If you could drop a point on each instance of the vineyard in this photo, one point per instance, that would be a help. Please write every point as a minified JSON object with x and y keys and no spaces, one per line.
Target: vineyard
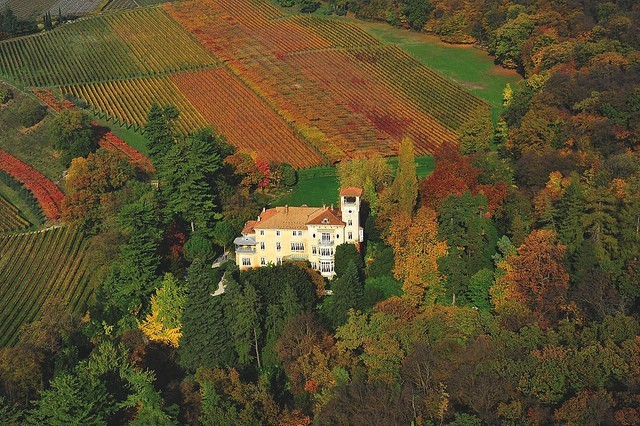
{"x":346,"y":94}
{"x":116,"y":46}
{"x":10,"y":218}
{"x":38,"y":267}
{"x":225,"y":102}
{"x":74,"y":7}
{"x":128,"y":101}
{"x":27,"y":9}
{"x":46,"y":192}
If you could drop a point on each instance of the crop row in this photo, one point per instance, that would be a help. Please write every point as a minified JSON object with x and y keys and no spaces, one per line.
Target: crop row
{"x":52,"y":101}
{"x":235,"y":111}
{"x":128,"y":101}
{"x":38,"y":267}
{"x":111,"y":142}
{"x":335,"y":84}
{"x":46,"y":192}
{"x":115,"y":46}
{"x":10,"y":218}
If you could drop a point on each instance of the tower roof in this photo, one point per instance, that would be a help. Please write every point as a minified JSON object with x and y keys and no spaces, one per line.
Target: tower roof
{"x":351,"y":191}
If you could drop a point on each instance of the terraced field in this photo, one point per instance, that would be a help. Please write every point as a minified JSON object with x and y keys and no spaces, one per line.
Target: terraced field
{"x":37,"y":267}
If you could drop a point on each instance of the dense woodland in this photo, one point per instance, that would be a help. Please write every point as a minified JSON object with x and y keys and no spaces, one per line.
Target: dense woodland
{"x":504,"y":288}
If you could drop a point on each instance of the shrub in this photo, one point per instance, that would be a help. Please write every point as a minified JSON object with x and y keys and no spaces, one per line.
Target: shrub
{"x":30,"y":112}
{"x":5,"y":95}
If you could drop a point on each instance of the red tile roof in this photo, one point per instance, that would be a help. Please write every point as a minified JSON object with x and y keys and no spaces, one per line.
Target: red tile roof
{"x":351,"y":191}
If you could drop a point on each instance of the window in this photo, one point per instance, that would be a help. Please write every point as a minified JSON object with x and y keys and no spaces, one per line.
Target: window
{"x":314,"y":265}
{"x":349,"y":222}
{"x":278,"y":246}
{"x":326,"y":266}
{"x":297,"y":246}
{"x":261,"y":245}
{"x":326,"y":238}
{"x":350,"y":211}
{"x":297,"y":233}
{"x":262,"y":232}
{"x":314,"y":250}
{"x":277,"y":233}
{"x":263,"y":261}
{"x":326,"y":251}
{"x":350,"y":236}
{"x":337,"y":236}
{"x":278,"y":261}
{"x":246,"y":261}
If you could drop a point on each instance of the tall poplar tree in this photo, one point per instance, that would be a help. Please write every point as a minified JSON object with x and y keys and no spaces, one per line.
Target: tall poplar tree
{"x":405,"y":184}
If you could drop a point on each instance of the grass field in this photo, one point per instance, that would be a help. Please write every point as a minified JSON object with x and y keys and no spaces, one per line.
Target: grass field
{"x":37,"y":267}
{"x":320,"y":185}
{"x":32,"y":145}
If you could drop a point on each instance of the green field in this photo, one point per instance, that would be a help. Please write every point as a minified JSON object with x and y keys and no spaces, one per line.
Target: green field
{"x":32,"y":145}
{"x":320,"y":185}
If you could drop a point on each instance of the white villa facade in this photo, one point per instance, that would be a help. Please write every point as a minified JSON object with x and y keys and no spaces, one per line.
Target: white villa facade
{"x":301,"y":233}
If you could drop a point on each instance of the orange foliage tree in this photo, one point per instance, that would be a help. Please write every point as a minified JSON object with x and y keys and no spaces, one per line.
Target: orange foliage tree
{"x":538,"y":277}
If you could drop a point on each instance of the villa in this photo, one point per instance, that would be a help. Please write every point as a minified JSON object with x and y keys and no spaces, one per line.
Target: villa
{"x":301,"y":233}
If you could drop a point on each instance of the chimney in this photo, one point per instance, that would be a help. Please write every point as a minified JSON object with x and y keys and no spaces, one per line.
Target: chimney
{"x":264,"y":209}
{"x":286,"y":208}
{"x":331,"y":206}
{"x":324,"y":206}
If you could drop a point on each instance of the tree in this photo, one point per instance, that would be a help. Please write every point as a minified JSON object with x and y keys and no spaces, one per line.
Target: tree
{"x":72,"y":133}
{"x":164,"y":323}
{"x":347,"y":293}
{"x":405,"y":184}
{"x":476,"y":133}
{"x":205,"y":341}
{"x":345,"y":254}
{"x":246,"y":325}
{"x":160,"y":129}
{"x":133,"y":278}
{"x":30,"y":112}
{"x":479,"y":285}
{"x":417,"y":13}
{"x":199,"y":247}
{"x":89,"y":181}
{"x":471,"y":237}
{"x":67,"y":402}
{"x":187,"y":173}
{"x":538,"y":276}
{"x":308,"y":354}
{"x":285,"y":175}
{"x":417,"y":248}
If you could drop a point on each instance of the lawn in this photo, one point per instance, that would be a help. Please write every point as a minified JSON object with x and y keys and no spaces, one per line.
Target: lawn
{"x":320,"y":185}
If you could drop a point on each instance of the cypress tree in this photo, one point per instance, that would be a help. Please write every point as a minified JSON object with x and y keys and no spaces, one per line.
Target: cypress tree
{"x":348,"y":292}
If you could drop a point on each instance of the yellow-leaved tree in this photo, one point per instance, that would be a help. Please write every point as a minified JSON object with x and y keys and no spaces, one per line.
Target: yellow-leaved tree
{"x":416,"y":247}
{"x":163,"y":324}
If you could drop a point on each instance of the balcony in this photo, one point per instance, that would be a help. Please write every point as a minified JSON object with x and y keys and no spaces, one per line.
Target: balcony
{"x":245,"y":250}
{"x":326,"y":243}
{"x":296,"y":256}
